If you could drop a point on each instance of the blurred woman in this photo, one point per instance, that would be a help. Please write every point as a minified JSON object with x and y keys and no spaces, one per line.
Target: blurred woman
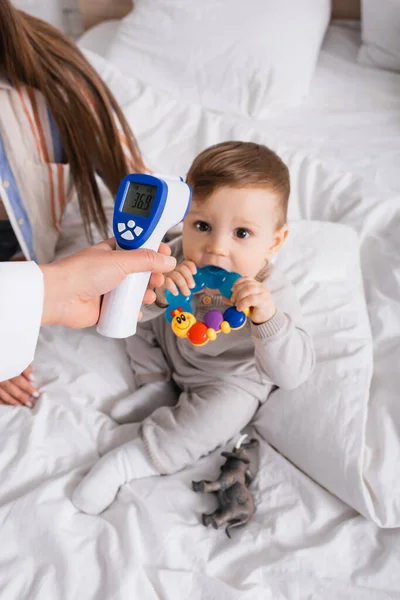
{"x":60,"y":129}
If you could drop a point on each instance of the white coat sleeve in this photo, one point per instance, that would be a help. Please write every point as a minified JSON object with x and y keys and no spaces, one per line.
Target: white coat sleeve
{"x":21,"y":308}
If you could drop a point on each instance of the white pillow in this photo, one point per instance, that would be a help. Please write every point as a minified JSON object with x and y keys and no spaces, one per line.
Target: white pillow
{"x":320,"y":426}
{"x":380,"y":22}
{"x":98,"y":38}
{"x":249,"y":57}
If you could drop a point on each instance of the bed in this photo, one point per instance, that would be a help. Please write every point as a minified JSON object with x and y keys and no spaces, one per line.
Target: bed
{"x":327,"y":491}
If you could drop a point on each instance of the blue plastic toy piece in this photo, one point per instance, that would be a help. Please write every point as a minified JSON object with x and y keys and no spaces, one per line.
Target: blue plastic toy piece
{"x":235,"y":318}
{"x":210,"y":277}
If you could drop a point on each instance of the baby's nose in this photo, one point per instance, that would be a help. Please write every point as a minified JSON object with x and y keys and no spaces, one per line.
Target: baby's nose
{"x":217,"y":245}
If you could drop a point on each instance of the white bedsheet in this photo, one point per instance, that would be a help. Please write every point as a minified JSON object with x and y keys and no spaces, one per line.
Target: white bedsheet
{"x":303,"y":541}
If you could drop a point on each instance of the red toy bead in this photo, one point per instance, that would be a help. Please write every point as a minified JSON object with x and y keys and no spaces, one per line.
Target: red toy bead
{"x":197,"y":334}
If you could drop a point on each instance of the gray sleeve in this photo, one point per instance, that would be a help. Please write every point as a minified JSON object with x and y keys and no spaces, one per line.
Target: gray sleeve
{"x":284,"y":351}
{"x":147,"y":358}
{"x":151,"y":311}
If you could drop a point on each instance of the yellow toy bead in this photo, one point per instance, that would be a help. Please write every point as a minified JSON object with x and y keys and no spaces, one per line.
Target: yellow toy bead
{"x":211,"y":334}
{"x":225,"y":327}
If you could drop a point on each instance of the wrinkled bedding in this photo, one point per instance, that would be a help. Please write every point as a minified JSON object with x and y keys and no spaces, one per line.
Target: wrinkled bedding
{"x":328,"y":451}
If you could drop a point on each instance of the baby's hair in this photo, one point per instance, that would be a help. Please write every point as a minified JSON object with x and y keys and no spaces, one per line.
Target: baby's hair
{"x":240,"y":165}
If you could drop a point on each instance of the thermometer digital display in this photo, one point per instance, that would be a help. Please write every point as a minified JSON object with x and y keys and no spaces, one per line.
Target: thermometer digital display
{"x":139,"y":199}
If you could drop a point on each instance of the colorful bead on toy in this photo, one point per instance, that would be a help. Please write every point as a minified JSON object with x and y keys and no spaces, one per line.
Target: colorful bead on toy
{"x":185,"y":325}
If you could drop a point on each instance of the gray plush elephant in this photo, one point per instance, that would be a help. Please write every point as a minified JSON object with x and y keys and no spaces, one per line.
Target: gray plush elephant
{"x":235,"y":502}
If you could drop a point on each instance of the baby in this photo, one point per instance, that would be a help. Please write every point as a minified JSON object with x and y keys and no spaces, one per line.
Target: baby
{"x":194,"y":398}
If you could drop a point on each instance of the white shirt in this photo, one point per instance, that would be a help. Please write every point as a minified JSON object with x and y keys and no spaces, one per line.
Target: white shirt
{"x":21,"y":307}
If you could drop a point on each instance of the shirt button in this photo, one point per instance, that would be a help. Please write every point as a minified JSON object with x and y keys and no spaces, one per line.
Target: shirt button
{"x":21,"y":221}
{"x":206,"y":300}
{"x":6,"y":184}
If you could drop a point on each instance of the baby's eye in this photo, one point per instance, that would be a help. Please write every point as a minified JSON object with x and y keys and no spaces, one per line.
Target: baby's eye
{"x":242,"y":233}
{"x":202,"y":226}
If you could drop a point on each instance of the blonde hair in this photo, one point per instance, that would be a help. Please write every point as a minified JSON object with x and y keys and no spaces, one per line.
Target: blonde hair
{"x":240,"y":164}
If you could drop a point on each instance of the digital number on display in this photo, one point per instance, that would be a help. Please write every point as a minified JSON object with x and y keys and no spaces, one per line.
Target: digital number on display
{"x":139,"y":199}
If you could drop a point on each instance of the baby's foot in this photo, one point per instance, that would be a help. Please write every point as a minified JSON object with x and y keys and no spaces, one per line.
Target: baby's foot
{"x":98,"y":489}
{"x":100,"y":486}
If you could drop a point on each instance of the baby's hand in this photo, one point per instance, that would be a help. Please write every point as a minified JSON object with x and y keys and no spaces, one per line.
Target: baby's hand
{"x":249,"y":293}
{"x":179,"y":280}
{"x":19,"y":391}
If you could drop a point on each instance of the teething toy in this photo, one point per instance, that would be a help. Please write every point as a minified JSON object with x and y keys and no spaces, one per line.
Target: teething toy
{"x":185,"y":325}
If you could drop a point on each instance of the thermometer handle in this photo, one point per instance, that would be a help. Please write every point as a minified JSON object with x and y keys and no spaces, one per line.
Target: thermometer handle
{"x":121,"y":307}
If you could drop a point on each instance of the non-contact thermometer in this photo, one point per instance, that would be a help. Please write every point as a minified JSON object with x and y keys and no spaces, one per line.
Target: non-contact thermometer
{"x":145,"y":208}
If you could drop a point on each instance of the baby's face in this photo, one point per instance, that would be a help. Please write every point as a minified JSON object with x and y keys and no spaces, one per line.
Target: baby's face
{"x":234,"y":229}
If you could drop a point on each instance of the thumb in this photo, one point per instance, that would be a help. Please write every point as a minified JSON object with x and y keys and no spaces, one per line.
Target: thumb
{"x":142,"y":260}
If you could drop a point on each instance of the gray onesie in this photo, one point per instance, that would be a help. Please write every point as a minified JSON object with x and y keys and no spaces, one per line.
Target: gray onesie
{"x":211,"y":392}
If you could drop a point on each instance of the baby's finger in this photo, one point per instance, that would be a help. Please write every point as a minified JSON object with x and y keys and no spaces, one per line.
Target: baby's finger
{"x":191,"y":266}
{"x":246,"y":290}
{"x":15,"y":392}
{"x":23,"y":384}
{"x":181,"y":282}
{"x":184,"y":270}
{"x":248,"y":301}
{"x":156,"y":280}
{"x":246,"y":287}
{"x":241,"y":281}
{"x":149,"y":297}
{"x":170,"y":286}
{"x":6,"y":398}
{"x":164,"y":249}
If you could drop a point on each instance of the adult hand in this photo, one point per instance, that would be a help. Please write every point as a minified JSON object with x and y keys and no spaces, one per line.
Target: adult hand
{"x":73,"y":286}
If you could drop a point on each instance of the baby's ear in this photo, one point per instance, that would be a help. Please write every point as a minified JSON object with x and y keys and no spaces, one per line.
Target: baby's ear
{"x":280,"y":236}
